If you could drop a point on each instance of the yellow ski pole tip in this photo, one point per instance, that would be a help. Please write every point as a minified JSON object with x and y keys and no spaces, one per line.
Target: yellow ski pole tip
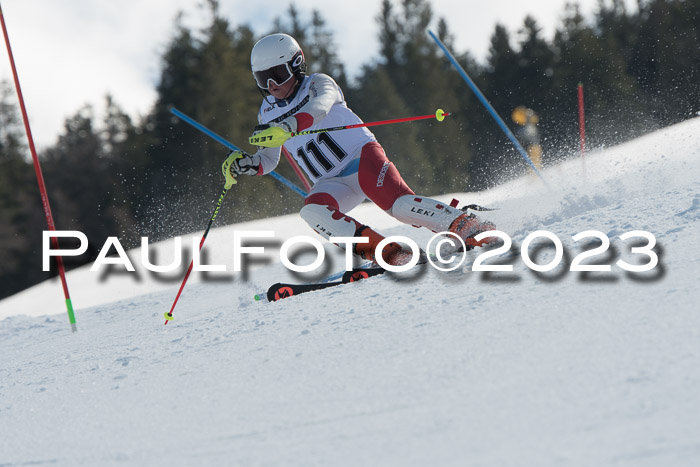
{"x":168,"y":316}
{"x":440,"y":115}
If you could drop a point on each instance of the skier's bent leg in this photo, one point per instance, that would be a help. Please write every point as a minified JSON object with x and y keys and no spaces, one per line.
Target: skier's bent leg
{"x":379,"y":178}
{"x":381,"y":181}
{"x":424,"y":212}
{"x":321,"y":212}
{"x":439,"y":217}
{"x":328,"y":221}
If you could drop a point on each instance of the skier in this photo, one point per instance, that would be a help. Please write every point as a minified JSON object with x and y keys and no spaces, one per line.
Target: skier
{"x":345,"y":167}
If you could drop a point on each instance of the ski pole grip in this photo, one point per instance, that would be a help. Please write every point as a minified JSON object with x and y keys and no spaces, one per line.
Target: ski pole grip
{"x":272,"y":137}
{"x":226,"y":168}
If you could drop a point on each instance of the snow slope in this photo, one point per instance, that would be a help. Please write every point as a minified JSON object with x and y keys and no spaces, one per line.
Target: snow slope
{"x":558,"y":368}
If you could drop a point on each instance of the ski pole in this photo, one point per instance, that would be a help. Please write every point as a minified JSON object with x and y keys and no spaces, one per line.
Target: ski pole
{"x":232,"y":147}
{"x":275,"y":136}
{"x":230,"y":181}
{"x":488,"y":106}
{"x":581,"y":121}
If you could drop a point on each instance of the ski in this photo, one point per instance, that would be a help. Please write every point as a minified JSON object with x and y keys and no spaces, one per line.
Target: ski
{"x":279,"y":290}
{"x":282,"y":290}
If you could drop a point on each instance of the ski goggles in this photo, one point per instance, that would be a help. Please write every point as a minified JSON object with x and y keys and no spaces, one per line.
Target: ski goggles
{"x":279,"y":74}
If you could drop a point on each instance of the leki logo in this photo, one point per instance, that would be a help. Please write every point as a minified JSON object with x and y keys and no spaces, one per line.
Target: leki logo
{"x":260,"y":139}
{"x":424,"y":212}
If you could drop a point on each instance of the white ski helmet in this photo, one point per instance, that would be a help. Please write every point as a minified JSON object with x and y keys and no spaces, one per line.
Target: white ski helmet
{"x":277,"y":57}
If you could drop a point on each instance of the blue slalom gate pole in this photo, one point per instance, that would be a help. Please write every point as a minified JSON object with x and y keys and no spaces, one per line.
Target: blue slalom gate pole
{"x":488,"y":106}
{"x":232,"y":147}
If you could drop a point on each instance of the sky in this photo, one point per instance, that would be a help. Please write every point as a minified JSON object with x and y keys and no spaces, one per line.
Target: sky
{"x":71,"y":53}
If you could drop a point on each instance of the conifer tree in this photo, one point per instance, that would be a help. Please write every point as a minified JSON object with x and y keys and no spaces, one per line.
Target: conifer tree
{"x":20,"y":203}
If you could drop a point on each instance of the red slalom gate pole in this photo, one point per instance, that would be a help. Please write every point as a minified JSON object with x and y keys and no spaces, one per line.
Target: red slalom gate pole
{"x":39,"y":176}
{"x":581,"y":120}
{"x":297,"y":170}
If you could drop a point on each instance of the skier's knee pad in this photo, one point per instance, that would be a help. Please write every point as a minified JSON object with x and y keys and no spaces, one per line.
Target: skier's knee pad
{"x":424,"y":212}
{"x":328,"y":221}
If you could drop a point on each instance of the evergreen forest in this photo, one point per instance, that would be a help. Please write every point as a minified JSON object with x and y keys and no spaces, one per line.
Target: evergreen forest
{"x":157,"y":177}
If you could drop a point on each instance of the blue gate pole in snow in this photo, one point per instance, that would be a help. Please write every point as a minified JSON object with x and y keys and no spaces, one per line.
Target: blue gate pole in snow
{"x":488,"y":106}
{"x":232,"y":147}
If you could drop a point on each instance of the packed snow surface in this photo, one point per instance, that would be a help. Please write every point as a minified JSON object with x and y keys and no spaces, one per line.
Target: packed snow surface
{"x":466,"y":368}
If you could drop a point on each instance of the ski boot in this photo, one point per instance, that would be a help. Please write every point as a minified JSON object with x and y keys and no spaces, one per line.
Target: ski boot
{"x":393,"y":253}
{"x":467,"y":226}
